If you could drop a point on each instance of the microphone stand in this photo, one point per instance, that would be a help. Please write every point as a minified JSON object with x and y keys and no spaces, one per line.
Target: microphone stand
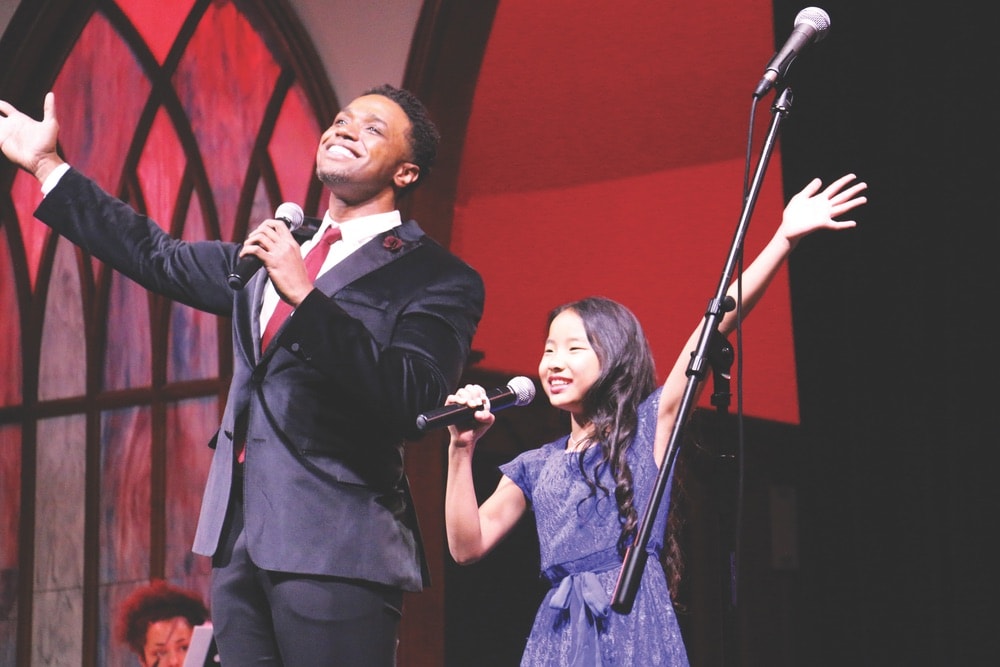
{"x":635,"y":557}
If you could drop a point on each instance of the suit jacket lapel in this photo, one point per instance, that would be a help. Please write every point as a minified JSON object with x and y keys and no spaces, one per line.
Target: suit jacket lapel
{"x":370,"y":257}
{"x":246,"y":318}
{"x":256,"y":289}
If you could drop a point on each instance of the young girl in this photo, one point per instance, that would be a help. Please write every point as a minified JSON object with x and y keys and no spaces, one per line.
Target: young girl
{"x":588,"y":489}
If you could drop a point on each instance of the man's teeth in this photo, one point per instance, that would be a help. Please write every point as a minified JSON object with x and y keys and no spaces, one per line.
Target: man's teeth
{"x":341,"y":151}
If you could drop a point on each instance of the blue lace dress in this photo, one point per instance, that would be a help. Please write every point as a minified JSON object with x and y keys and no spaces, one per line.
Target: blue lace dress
{"x":574,"y":625}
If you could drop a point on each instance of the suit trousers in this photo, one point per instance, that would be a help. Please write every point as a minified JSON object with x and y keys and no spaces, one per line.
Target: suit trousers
{"x":280,"y":619}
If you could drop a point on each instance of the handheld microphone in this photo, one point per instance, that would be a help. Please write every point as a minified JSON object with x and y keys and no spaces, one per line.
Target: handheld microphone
{"x":811,"y":25}
{"x":247,"y":265}
{"x":519,"y":391}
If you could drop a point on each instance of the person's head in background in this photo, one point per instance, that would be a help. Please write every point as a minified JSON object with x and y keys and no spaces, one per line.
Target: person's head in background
{"x":157,"y":621}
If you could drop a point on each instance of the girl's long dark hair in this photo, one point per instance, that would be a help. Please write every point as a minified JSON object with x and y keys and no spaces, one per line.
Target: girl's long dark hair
{"x":611,"y":405}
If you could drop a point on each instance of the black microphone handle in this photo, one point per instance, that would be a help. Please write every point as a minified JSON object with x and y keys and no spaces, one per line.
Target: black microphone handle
{"x":246,"y":267}
{"x":448,"y":415}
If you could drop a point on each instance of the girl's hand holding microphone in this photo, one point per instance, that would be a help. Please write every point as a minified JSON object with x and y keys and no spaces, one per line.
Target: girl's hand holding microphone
{"x":466,"y":433}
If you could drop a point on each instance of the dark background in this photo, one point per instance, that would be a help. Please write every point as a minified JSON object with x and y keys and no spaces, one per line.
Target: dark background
{"x":898,"y":493}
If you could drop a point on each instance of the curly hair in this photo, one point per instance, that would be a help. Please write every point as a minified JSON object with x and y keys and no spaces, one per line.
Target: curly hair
{"x":159,"y":601}
{"x":424,"y":136}
{"x":627,"y":377}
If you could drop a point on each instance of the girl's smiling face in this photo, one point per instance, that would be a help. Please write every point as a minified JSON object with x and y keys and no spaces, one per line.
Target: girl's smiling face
{"x":569,"y":366}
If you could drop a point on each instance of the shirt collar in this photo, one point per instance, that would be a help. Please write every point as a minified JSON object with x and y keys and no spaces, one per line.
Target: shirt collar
{"x":359,"y":230}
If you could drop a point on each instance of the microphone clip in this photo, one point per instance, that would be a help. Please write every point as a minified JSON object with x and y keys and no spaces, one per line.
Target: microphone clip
{"x":720,"y":357}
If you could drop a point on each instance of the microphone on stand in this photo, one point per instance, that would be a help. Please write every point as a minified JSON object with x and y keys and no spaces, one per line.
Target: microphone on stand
{"x":811,"y":25}
{"x":289,"y":213}
{"x":519,"y":391}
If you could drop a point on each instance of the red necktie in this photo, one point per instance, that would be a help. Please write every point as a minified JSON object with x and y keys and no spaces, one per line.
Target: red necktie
{"x":314,"y":260}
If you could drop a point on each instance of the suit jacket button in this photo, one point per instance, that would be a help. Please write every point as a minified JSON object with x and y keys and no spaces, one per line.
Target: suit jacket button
{"x":295,"y":347}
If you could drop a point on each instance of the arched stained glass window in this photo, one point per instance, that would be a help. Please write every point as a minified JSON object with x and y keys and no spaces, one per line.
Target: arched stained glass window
{"x":205,"y":115}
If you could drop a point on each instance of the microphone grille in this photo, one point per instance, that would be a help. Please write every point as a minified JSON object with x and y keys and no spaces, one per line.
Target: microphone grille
{"x":816,"y":18}
{"x":523,"y":388}
{"x":291,"y":213}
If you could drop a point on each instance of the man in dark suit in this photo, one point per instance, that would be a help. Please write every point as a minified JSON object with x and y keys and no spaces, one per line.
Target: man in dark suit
{"x":306,"y":514}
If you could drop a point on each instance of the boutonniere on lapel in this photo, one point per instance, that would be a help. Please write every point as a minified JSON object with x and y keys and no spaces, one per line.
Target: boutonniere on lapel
{"x":392,"y":243}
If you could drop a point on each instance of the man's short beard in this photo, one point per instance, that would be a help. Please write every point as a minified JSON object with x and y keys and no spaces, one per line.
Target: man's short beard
{"x":330,"y":178}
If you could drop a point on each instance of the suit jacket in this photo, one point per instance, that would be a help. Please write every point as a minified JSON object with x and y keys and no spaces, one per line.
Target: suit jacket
{"x":383,"y":337}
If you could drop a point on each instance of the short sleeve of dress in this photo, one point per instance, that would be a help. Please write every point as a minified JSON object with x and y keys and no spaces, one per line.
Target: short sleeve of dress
{"x":525,"y":468}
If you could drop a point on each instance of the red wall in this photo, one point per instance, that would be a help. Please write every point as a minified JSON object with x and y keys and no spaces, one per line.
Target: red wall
{"x":605,"y":159}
